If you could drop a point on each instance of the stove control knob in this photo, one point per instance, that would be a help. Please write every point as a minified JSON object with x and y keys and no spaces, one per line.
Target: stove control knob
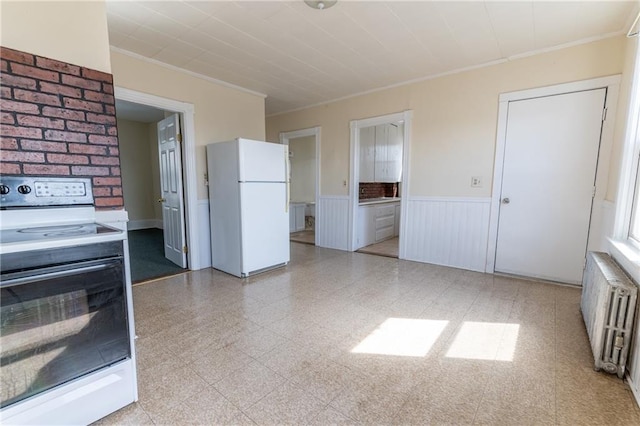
{"x":4,"y":189}
{"x":24,"y":189}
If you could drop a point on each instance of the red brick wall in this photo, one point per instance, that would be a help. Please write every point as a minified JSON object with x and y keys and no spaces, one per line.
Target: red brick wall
{"x":59,"y":119}
{"x":370,"y":190}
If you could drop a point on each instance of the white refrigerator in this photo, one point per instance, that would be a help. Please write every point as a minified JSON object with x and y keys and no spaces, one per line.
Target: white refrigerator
{"x":248,"y":205}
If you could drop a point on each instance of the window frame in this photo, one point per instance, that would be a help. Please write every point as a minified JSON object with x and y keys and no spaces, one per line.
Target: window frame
{"x":634,"y":221}
{"x":623,"y":247}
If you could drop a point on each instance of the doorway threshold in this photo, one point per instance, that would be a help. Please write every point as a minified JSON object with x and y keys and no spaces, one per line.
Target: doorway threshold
{"x":387,"y":248}
{"x":307,"y":236}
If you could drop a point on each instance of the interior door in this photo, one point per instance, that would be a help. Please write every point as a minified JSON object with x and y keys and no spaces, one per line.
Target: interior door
{"x":550,"y":160}
{"x":171,"y":187}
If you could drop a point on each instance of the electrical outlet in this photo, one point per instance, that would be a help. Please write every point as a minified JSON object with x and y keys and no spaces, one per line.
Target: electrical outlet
{"x":476,"y":181}
{"x":344,"y":183}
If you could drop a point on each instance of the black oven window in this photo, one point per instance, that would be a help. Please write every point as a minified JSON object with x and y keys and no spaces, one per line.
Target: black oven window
{"x":57,"y":327}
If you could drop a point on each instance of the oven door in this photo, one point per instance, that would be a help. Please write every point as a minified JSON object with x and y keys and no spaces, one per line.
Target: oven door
{"x":60,"y":322}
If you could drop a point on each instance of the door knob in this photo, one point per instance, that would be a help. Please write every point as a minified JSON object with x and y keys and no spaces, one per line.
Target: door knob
{"x":506,"y":200}
{"x":162,"y":200}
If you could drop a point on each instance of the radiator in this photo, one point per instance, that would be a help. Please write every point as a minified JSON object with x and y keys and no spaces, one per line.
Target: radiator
{"x":608,"y":306}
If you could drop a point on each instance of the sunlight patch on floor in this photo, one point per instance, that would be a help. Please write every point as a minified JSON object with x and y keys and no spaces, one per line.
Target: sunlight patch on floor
{"x":402,"y":337}
{"x":485,"y":340}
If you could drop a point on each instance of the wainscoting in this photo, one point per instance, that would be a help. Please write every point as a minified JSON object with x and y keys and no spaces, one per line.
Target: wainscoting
{"x":444,"y":231}
{"x":447,"y":231}
{"x":332,"y":222}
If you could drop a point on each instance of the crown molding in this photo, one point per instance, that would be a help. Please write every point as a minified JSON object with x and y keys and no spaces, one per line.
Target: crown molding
{"x":184,"y":71}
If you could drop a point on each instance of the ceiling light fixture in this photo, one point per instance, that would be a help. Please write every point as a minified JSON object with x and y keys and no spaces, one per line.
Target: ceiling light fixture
{"x":320,"y":5}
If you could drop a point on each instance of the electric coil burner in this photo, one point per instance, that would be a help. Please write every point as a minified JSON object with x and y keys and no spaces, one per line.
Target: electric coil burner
{"x":66,"y":319}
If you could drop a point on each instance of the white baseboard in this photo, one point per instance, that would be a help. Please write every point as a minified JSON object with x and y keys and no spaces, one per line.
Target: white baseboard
{"x":135,"y":225}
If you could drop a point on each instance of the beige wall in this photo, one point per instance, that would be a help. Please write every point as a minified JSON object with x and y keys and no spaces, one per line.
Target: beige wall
{"x":140,"y":169}
{"x":303,"y":168}
{"x":69,"y":31}
{"x":221,"y":113}
{"x":136,"y":168}
{"x":454,"y":117}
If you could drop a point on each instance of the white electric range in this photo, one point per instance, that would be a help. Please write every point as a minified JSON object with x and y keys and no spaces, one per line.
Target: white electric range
{"x":66,"y":329}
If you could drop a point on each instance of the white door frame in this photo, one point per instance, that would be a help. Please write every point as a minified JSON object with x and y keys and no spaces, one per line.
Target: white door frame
{"x":188,"y":165}
{"x":612,"y":84}
{"x":315,"y":132}
{"x":356,"y":125}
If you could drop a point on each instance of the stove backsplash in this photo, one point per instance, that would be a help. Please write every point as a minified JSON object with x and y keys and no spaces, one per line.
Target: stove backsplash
{"x":370,"y":190}
{"x":59,"y":119}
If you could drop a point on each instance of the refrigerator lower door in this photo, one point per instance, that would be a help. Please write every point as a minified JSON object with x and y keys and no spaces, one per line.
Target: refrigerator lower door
{"x":265,"y":226}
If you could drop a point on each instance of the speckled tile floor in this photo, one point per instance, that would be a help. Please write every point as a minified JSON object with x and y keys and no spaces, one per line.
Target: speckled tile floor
{"x":349,"y":338}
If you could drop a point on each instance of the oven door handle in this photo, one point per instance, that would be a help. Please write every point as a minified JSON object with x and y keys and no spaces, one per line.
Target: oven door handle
{"x":57,"y":274}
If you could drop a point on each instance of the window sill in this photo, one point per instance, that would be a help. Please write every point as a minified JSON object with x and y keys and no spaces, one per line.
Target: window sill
{"x":628,"y":256}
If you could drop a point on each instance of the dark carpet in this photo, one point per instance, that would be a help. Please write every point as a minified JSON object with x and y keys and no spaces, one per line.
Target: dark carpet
{"x":146,"y":250}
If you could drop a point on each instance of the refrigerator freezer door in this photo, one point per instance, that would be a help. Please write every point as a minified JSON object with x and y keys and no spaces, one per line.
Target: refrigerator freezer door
{"x":261,"y":161}
{"x":265,"y":226}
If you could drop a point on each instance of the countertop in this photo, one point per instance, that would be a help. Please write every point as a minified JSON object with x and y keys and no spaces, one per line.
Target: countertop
{"x":379,"y":201}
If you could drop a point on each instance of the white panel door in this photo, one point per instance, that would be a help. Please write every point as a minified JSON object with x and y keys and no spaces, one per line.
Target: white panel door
{"x":171,"y":190}
{"x":265,"y":225}
{"x":550,"y":160}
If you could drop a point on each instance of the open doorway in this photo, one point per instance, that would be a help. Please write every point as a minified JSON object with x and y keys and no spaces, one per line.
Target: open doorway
{"x":142,"y":190}
{"x":379,"y":162}
{"x":304,"y":160}
{"x":379,"y":188}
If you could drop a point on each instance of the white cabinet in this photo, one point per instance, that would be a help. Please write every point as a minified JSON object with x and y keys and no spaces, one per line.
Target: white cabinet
{"x":388,"y":153}
{"x":381,"y":153}
{"x":377,"y":222}
{"x":379,"y":173}
{"x":384,"y":215}
{"x":367,"y":154}
{"x":296,"y":217}
{"x":393,"y":169}
{"x":366,"y":226}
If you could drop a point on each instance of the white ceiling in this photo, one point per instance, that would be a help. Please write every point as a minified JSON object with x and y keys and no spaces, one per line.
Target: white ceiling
{"x":299,"y":56}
